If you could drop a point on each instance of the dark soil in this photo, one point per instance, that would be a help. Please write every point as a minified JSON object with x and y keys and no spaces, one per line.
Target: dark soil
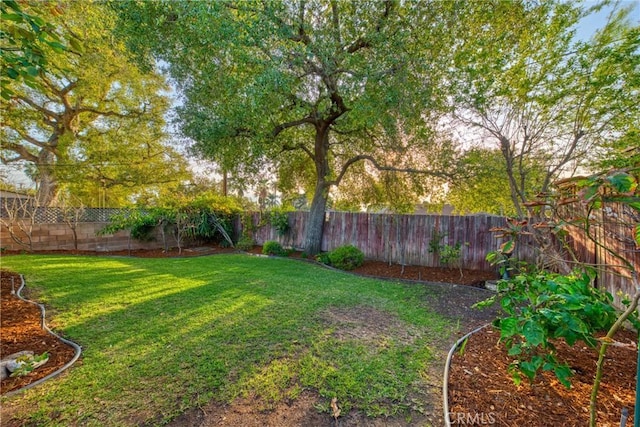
{"x":481,"y":388}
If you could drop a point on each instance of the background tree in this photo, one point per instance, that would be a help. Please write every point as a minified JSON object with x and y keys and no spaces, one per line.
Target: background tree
{"x":542,"y":97}
{"x":93,"y":119}
{"x":314,"y":77}
{"x":485,"y":186}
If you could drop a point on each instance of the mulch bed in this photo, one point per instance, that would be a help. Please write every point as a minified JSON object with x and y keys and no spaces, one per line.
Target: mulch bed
{"x":481,"y":389}
{"x":20,"y":329}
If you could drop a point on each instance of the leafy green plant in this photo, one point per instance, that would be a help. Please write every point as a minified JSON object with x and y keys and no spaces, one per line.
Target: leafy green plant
{"x":27,"y":363}
{"x":245,"y":243}
{"x":346,"y":257}
{"x":323,"y":257}
{"x":546,"y":306}
{"x":434,"y":242}
{"x":273,"y":248}
{"x":279,"y":219}
{"x":448,"y":255}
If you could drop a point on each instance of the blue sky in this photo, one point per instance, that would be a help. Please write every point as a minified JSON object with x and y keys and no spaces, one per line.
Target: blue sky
{"x":590,"y":24}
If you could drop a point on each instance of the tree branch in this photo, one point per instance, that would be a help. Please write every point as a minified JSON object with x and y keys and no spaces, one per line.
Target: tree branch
{"x":302,"y":147}
{"x":21,"y":151}
{"x":380,"y":167}
{"x":32,"y":104}
{"x":283,"y":126}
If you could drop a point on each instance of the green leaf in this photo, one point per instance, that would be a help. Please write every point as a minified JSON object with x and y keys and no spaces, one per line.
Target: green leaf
{"x":12,"y":73}
{"x":533,"y":332}
{"x":508,"y":247}
{"x":509,"y":327}
{"x":76,"y":45}
{"x":637,"y":235}
{"x":515,"y":350}
{"x":57,"y":47}
{"x":12,"y":17}
{"x":33,"y":71}
{"x":621,"y":182}
{"x":563,"y":373}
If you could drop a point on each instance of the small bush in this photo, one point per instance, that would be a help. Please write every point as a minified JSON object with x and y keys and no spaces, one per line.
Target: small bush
{"x":323,"y":258}
{"x":273,"y":248}
{"x":346,"y":257}
{"x":279,"y":219}
{"x":245,"y":243}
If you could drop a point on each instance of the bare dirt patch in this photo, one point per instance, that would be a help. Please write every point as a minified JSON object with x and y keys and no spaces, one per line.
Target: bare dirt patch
{"x":369,"y":324}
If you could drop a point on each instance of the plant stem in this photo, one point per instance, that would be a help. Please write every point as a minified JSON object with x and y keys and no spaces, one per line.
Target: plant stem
{"x":603,"y":350}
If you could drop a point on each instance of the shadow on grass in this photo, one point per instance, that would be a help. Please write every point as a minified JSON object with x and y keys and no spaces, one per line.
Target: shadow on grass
{"x":161,"y":336}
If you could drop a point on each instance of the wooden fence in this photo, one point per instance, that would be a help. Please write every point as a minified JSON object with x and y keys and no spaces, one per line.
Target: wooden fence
{"x":402,"y":239}
{"x":611,"y":227}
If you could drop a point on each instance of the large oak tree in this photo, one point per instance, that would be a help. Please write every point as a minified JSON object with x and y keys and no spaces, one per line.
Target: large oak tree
{"x":335,"y":83}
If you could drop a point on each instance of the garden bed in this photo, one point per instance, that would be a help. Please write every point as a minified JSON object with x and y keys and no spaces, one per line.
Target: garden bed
{"x":21,"y":329}
{"x":481,"y":389}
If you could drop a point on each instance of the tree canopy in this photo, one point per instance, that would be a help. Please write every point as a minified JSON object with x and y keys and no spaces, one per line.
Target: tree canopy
{"x":332,"y":92}
{"x":542,"y":97}
{"x":93,"y":122}
{"x":332,"y":82}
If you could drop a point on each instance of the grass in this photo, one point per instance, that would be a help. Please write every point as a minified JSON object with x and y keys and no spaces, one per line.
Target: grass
{"x":160,"y":336}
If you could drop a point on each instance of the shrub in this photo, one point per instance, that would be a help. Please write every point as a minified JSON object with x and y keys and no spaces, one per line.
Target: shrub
{"x":245,"y":243}
{"x":273,"y":248}
{"x":346,"y":257}
{"x":540,"y":307}
{"x":323,"y":257}
{"x":279,"y":219}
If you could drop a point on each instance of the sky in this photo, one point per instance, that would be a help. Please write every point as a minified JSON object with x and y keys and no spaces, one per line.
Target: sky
{"x":590,"y":24}
{"x":585,"y":30}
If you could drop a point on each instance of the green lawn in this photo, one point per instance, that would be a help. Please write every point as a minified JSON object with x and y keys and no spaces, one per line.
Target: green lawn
{"x":160,"y":336}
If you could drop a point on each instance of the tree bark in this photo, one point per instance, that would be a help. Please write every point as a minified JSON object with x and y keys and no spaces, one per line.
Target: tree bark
{"x":48,"y":184}
{"x":315,"y":224}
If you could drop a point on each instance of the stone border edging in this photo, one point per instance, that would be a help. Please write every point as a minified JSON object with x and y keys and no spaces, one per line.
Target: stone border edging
{"x":76,"y":347}
{"x":445,"y":380}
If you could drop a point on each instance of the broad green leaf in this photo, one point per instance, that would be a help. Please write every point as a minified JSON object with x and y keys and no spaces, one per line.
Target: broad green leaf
{"x":533,"y":333}
{"x":12,"y":73}
{"x":508,"y":247}
{"x":621,"y":182}
{"x":12,"y":17}
{"x":563,"y":373}
{"x":509,"y":327}
{"x":515,"y":350}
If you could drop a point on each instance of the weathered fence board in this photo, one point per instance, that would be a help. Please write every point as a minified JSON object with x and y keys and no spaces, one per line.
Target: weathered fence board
{"x":402,"y":239}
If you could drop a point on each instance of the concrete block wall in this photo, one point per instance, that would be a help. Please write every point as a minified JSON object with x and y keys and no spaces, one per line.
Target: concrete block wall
{"x":60,"y":237}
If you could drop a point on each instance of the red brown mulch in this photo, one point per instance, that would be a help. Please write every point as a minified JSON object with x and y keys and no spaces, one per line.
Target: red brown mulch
{"x":20,"y":329}
{"x":480,"y":388}
{"x":474,"y":278}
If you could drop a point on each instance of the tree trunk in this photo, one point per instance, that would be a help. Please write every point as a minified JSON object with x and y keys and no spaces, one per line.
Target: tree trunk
{"x":48,"y":185}
{"x":315,"y":224}
{"x":224,"y":182}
